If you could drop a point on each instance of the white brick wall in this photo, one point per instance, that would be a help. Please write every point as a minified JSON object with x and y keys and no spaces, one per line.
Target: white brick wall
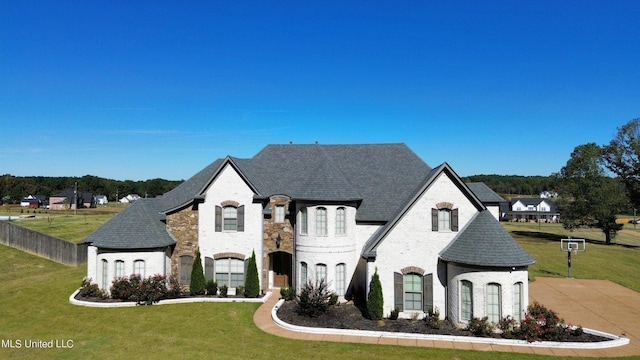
{"x":156,"y":262}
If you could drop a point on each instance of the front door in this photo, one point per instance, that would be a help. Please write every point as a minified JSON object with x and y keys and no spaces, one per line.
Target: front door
{"x":281,"y":268}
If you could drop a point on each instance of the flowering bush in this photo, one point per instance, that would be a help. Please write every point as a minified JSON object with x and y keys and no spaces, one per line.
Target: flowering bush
{"x":89,"y":289}
{"x":143,"y":291}
{"x":480,"y":327}
{"x":542,"y":324}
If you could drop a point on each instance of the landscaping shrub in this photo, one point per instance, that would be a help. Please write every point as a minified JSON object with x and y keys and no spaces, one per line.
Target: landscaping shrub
{"x":433,"y":318}
{"x":175,"y":290}
{"x":394,"y":314}
{"x":197,"y":283}
{"x":223,"y":290}
{"x":89,"y":289}
{"x":508,"y":326}
{"x":313,"y":300}
{"x":123,"y":288}
{"x":211,"y":287}
{"x":333,"y":300}
{"x":151,"y":290}
{"x":374,"y":299}
{"x":251,"y":282}
{"x":542,"y":324}
{"x":288,"y":293}
{"x":479,"y":327}
{"x":240,"y":291}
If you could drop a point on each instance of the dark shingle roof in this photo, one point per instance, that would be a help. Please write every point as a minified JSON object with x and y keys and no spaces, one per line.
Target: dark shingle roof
{"x":380,"y":176}
{"x":136,"y":227}
{"x":484,"y":242}
{"x":484,"y":193}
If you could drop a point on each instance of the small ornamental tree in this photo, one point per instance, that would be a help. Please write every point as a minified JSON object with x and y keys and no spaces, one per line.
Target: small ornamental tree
{"x":251,"y":282}
{"x":197,"y":283}
{"x":374,"y":299}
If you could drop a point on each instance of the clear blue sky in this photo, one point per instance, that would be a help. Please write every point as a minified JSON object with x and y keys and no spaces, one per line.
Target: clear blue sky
{"x":139,"y":90}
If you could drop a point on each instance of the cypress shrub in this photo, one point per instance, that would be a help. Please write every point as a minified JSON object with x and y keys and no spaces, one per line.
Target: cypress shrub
{"x":374,"y":299}
{"x":197,"y":283}
{"x":251,"y":282}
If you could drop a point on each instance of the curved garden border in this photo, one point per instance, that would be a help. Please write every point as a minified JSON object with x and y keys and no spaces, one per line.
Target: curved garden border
{"x":614,"y":342}
{"x":74,"y":301}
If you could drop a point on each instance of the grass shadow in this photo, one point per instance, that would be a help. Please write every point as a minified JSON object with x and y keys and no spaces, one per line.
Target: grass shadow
{"x":556,"y":238}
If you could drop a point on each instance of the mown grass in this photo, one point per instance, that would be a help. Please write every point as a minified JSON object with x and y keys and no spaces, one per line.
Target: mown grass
{"x":34,"y":305}
{"x":65,"y":224}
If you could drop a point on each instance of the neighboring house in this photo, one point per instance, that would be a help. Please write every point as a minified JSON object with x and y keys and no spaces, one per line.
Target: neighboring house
{"x":548,"y":194}
{"x":71,"y":199}
{"x":130,"y":198}
{"x":34,"y":201}
{"x":488,"y":197}
{"x":101,"y":200}
{"x":533,"y":209}
{"x":332,"y":212}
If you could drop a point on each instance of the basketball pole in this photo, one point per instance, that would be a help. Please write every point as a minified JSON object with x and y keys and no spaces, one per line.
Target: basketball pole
{"x":569,"y":264}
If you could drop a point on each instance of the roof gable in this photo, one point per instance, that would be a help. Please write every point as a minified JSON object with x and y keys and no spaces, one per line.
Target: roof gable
{"x":373,"y":242}
{"x":484,"y":193}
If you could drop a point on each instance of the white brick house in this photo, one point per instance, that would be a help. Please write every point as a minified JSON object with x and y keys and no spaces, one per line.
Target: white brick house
{"x":338,"y":212}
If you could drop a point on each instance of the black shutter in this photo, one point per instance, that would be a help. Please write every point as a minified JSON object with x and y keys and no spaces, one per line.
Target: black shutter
{"x":241,"y":218}
{"x":427,"y":293}
{"x":434,"y":219}
{"x":398,"y":291}
{"x":218,"y":219}
{"x":454,"y":220}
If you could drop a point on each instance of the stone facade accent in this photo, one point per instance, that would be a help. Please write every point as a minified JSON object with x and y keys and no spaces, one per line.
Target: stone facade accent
{"x":271,"y":231}
{"x":183,"y":225}
{"x":229,"y":255}
{"x":412,"y":270}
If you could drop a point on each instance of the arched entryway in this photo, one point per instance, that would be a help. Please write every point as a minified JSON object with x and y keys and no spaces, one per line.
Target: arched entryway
{"x":280,"y":274}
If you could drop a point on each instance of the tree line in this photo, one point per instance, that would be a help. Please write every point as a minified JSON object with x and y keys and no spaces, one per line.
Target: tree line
{"x":514,"y":184}
{"x":14,"y":188}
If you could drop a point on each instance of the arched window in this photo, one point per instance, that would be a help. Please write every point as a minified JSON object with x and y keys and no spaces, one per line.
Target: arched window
{"x":230,"y":272}
{"x":208,"y":268}
{"x":321,"y":272}
{"x":341,"y":220}
{"x":230,"y":218}
{"x":105,"y":275}
{"x":119,"y":270}
{"x":184,"y":270}
{"x":279,"y":213}
{"x":340,"y":279}
{"x":494,"y":303}
{"x":466,"y":300}
{"x":321,"y":221}
{"x":517,"y":301}
{"x":138,"y":268}
{"x":413,"y":292}
{"x":444,"y":219}
{"x":304,"y":222}
{"x":304,"y":277}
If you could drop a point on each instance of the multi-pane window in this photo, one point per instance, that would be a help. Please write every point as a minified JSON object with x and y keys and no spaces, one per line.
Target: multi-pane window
{"x":230,"y":272}
{"x":105,"y":275}
{"x":279,"y":213}
{"x":119,"y":270}
{"x":466,"y":300}
{"x":340,"y":279}
{"x":517,"y":301}
{"x":341,"y":221}
{"x":138,"y":267}
{"x":303,"y":274}
{"x":321,"y":272}
{"x":230,"y":218}
{"x":444,"y":219}
{"x":412,"y":292}
{"x":493,"y":303}
{"x":304,"y":222}
{"x":208,"y":268}
{"x":321,"y":221}
{"x":184,"y":270}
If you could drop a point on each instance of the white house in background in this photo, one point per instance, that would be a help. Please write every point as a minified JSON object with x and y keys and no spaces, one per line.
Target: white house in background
{"x":101,"y":200}
{"x":130,"y":198}
{"x":533,"y":209}
{"x":333,"y":212}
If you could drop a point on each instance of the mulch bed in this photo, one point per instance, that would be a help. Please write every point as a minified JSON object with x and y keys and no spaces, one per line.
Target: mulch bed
{"x":348,"y":316}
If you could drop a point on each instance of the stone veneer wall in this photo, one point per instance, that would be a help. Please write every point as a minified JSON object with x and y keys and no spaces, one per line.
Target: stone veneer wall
{"x":183,"y":225}
{"x":271,"y":231}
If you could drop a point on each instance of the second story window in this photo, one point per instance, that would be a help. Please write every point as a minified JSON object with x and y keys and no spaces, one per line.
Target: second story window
{"x":341,"y":221}
{"x":229,"y":218}
{"x":279,"y":213}
{"x":304,"y":221}
{"x":321,"y":221}
{"x":444,"y":219}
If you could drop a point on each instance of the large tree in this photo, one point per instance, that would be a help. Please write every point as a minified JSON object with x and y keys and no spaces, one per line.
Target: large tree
{"x":622,"y":157}
{"x":587,"y":196}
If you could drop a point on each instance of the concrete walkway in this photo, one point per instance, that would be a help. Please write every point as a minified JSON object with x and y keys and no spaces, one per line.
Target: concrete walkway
{"x":595,"y":304}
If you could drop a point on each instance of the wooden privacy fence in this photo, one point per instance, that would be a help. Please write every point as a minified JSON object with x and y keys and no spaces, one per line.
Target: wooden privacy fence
{"x":43,"y":245}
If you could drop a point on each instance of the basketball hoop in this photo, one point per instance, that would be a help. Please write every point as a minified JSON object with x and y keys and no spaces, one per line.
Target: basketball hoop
{"x":572,"y":247}
{"x":574,"y":250}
